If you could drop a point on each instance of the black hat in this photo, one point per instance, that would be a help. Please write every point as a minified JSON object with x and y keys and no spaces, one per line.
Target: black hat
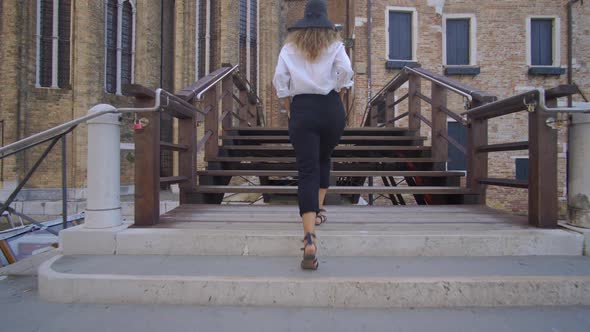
{"x":316,"y":16}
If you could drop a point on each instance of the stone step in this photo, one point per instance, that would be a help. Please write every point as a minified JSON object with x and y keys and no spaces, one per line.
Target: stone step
{"x":341,"y":282}
{"x":261,"y":230}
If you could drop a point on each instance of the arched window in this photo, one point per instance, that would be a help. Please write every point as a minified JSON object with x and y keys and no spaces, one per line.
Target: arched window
{"x":53,"y":43}
{"x":119,"y":44}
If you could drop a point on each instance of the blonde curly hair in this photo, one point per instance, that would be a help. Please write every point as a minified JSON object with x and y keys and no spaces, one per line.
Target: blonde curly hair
{"x":313,"y":41}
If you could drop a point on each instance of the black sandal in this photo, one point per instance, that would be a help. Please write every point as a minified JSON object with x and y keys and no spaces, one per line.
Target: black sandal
{"x":323,"y":218}
{"x":309,"y":262}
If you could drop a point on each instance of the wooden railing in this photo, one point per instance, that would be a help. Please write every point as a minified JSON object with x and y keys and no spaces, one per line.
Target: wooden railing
{"x":542,"y":143}
{"x":386,"y":101}
{"x":215,"y":101}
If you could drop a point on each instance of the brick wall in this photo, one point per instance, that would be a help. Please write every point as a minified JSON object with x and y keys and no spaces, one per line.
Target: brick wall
{"x":501,"y":56}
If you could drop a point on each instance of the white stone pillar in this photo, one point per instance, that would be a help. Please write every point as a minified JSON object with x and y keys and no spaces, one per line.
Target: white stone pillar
{"x":103,"y":207}
{"x":579,"y":171}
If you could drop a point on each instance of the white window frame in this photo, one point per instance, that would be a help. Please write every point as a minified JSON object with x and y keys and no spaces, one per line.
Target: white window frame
{"x":472,"y":38}
{"x":556,"y":39}
{"x":415,"y":34}
{"x":119,"y":59}
{"x":55,"y":47}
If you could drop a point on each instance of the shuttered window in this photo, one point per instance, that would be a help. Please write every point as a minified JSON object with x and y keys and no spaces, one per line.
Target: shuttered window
{"x":458,"y":132}
{"x":542,"y":42}
{"x":126,"y":44}
{"x":46,"y":44}
{"x":458,"y":41}
{"x":53,"y":43}
{"x":522,"y":168}
{"x":243,"y":34}
{"x":400,"y":35}
{"x":119,"y":30}
{"x":201,"y":38}
{"x":64,"y":27}
{"x":111,"y":45}
{"x":253,"y":42}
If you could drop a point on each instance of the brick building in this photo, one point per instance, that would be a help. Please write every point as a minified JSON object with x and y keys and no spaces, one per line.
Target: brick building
{"x":52,"y":74}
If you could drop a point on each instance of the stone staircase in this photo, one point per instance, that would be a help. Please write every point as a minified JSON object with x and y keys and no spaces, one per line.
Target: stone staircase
{"x":370,"y":257}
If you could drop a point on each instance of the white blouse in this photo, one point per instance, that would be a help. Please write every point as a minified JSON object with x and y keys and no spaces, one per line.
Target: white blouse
{"x":295,"y":75}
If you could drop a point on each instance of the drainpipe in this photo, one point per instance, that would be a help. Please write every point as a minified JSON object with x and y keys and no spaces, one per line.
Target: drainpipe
{"x":578,"y":156}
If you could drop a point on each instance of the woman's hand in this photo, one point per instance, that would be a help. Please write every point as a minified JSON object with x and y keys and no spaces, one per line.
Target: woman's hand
{"x":287,"y":106}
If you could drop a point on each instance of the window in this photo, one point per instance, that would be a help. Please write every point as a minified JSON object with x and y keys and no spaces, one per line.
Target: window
{"x":522,"y":168}
{"x":457,"y":34}
{"x":248,"y":40}
{"x":401,"y":40}
{"x":543,"y":40}
{"x":119,"y":44}
{"x":53,"y":43}
{"x":457,"y":161}
{"x":203,"y":38}
{"x":460,"y":44}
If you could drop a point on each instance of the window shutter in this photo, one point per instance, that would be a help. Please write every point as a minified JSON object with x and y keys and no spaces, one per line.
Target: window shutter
{"x":542,"y":42}
{"x":111,"y":41}
{"x":202,"y":36}
{"x":126,"y":44}
{"x":522,"y":168}
{"x":458,"y":132}
{"x":253,"y":42}
{"x":64,"y":43}
{"x":46,"y":52}
{"x":243,"y":34}
{"x":458,"y":39}
{"x":400,"y":35}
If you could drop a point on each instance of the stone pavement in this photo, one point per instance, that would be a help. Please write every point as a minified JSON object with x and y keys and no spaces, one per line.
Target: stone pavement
{"x":22,"y":310}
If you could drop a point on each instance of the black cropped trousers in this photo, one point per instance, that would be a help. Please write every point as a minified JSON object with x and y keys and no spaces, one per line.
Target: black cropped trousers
{"x":315,"y":128}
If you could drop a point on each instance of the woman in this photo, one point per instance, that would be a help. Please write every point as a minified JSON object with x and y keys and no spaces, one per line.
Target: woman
{"x":312,"y":68}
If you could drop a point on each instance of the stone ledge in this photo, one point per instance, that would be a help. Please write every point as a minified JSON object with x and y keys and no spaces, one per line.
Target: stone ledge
{"x":389,"y":283}
{"x":584,"y":231}
{"x":83,"y":241}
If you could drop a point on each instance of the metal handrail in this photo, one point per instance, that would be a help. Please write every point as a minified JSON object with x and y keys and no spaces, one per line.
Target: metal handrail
{"x":432,"y":79}
{"x":212,"y":84}
{"x":535,"y":97}
{"x":545,"y":108}
{"x":60,"y":129}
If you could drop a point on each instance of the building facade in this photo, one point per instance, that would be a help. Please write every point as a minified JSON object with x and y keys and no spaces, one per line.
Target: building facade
{"x":58,"y":58}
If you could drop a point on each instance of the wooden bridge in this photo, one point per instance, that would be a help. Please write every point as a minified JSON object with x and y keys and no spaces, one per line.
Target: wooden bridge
{"x":417,"y":252}
{"x":236,"y":144}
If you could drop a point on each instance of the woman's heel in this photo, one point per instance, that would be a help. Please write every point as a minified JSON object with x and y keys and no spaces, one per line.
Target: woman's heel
{"x":310,"y":261}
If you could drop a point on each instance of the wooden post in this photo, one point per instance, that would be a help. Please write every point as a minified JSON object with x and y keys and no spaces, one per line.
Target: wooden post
{"x":243,"y":112}
{"x":147,"y":167}
{"x":187,"y":135}
{"x":414,"y":103}
{"x":389,"y":109}
{"x":227,"y":103}
{"x":374,"y":115}
{"x":212,"y":124}
{"x":7,"y":251}
{"x":440,"y":147}
{"x":477,"y":163}
{"x":542,"y":170}
{"x":253,"y":113}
